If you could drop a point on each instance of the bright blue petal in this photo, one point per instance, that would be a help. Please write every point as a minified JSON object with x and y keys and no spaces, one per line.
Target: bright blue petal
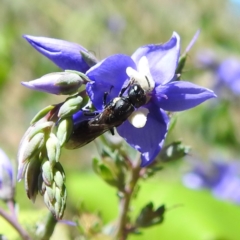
{"x":181,"y":95}
{"x":108,"y":76}
{"x":162,"y":58}
{"x":149,"y":139}
{"x":65,"y":55}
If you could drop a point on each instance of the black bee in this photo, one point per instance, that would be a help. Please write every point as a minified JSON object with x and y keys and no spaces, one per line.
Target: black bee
{"x":114,"y":114}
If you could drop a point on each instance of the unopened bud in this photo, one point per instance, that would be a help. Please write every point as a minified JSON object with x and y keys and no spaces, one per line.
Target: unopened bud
{"x":60,"y":83}
{"x":53,"y":149}
{"x":64,"y":130}
{"x":70,"y":106}
{"x":47,"y":173}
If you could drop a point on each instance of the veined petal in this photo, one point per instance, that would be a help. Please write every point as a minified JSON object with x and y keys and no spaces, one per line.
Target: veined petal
{"x":181,"y":95}
{"x":65,"y":55}
{"x":162,"y":58}
{"x":149,"y":139}
{"x":109,"y":76}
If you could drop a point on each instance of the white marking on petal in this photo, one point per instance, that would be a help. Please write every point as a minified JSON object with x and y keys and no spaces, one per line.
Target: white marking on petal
{"x":139,"y":117}
{"x":143,"y":76}
{"x":143,"y":68}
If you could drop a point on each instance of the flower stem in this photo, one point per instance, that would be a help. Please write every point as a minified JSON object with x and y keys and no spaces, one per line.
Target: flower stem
{"x":15,"y":224}
{"x":126,"y":195}
{"x":45,"y":230}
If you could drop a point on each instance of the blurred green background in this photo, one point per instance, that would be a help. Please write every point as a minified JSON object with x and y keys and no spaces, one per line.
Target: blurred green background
{"x":107,"y":27}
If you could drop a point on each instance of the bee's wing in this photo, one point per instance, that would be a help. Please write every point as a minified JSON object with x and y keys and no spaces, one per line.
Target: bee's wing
{"x":85,"y":133}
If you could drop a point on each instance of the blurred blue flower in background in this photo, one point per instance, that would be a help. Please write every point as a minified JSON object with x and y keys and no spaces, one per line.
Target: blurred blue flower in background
{"x":228,"y":74}
{"x":222,"y":178}
{"x":6,"y":177}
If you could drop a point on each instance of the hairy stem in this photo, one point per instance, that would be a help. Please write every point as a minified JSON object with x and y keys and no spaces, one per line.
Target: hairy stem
{"x":15,"y":224}
{"x":45,"y":230}
{"x":126,"y":195}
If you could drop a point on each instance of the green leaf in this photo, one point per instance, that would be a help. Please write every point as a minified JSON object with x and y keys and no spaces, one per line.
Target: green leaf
{"x":149,"y":217}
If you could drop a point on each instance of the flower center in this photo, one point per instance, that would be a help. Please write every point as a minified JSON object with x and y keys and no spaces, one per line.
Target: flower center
{"x":143,"y":76}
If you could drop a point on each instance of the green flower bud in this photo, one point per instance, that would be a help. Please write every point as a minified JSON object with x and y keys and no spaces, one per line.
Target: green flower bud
{"x":33,"y":170}
{"x":53,"y":149}
{"x":47,"y":173}
{"x":39,"y":127}
{"x":64,"y":130}
{"x":64,"y":83}
{"x":34,"y":146}
{"x":51,"y":192}
{"x":70,"y":106}
{"x":59,"y":179}
{"x":42,"y":113}
{"x":48,"y":203}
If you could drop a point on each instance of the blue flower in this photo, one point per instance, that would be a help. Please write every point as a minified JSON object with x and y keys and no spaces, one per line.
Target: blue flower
{"x":221,"y":178}
{"x":149,"y":124}
{"x":6,"y":177}
{"x":157,"y":64}
{"x":228,"y":74}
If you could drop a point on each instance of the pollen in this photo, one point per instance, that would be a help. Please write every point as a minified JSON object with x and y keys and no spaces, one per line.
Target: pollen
{"x":139,"y":117}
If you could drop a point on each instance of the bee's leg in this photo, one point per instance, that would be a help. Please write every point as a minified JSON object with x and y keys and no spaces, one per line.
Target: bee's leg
{"x":90,"y":114}
{"x":105,"y":96}
{"x":131,"y":81}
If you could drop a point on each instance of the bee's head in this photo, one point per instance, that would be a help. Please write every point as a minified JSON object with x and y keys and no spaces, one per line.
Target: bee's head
{"x":136,"y":95}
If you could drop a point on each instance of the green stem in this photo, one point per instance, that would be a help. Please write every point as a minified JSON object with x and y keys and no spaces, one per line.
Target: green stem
{"x":15,"y":224}
{"x":45,"y":230}
{"x":126,"y":195}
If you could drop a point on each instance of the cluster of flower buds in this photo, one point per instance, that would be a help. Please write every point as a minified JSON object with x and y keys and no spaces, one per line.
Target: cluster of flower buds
{"x":40,"y":147}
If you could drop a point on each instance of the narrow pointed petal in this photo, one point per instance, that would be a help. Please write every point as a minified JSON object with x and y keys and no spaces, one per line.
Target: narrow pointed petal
{"x":181,"y":95}
{"x":108,"y":76}
{"x":149,"y":139}
{"x":65,"y":55}
{"x":162,"y":58}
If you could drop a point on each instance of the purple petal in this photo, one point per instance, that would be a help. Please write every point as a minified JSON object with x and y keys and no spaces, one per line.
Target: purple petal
{"x":181,"y":95}
{"x":65,"y":55}
{"x":5,"y":165}
{"x":192,"y":42}
{"x":108,"y":76}
{"x":229,"y":74}
{"x":149,"y":139}
{"x":162,"y":58}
